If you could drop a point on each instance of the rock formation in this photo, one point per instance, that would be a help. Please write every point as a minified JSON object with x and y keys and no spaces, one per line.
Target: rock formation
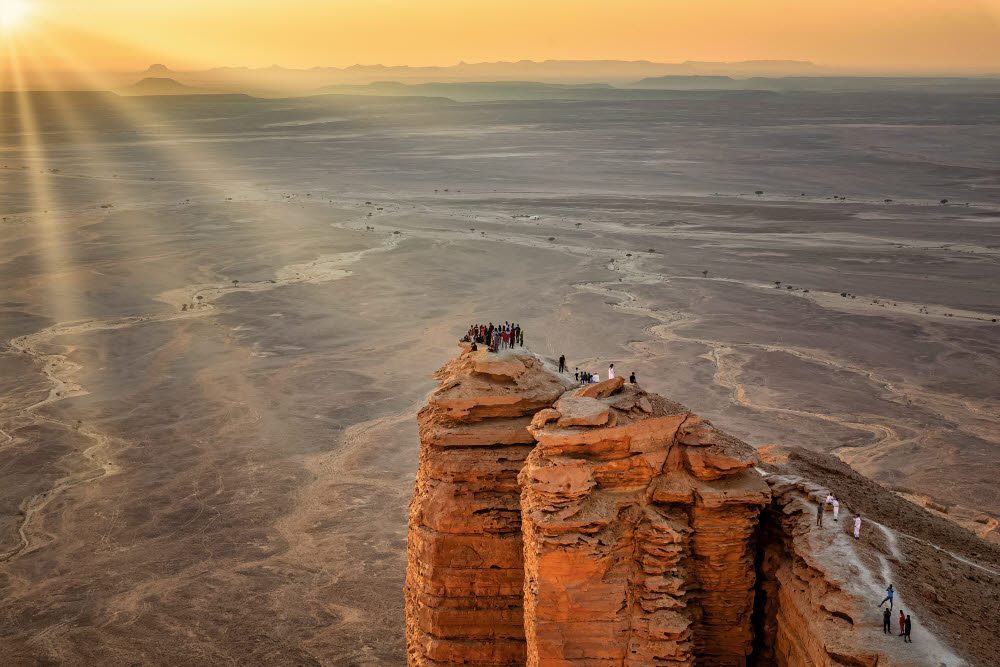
{"x":466,"y":575}
{"x":638,"y":522}
{"x":553,"y":524}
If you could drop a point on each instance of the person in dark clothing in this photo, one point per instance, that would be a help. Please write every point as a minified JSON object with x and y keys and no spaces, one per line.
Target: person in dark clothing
{"x":819,"y":514}
{"x":886,"y":623}
{"x":474,"y":347}
{"x":576,"y":374}
{"x":906,"y":630}
{"x":562,"y":363}
{"x":631,"y":378}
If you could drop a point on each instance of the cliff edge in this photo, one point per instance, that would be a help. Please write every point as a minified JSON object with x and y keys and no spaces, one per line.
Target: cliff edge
{"x":559,"y":524}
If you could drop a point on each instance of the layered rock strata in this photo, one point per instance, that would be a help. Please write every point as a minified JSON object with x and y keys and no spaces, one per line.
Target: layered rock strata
{"x":465,"y":580}
{"x":601,"y":525}
{"x":627,"y":538}
{"x":638,"y":521}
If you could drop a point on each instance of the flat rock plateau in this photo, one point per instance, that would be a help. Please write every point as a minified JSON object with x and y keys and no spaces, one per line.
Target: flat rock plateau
{"x":219,"y":316}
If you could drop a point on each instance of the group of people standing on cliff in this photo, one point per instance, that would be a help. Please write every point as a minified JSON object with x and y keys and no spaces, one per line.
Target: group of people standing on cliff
{"x":904,"y":620}
{"x":506,"y":335}
{"x":586,"y":377}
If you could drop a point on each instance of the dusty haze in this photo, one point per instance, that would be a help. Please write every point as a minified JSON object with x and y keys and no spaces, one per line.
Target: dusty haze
{"x":190,"y":480}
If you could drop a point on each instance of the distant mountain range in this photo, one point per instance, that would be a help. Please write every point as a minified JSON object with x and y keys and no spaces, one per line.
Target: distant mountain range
{"x":524,"y":79}
{"x":280,"y":80}
{"x":481,"y":91}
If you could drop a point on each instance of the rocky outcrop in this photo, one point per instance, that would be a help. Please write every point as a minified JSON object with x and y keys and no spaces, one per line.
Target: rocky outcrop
{"x":638,"y":527}
{"x":628,"y":533}
{"x":805,"y":615}
{"x":465,"y":577}
{"x":602,"y":525}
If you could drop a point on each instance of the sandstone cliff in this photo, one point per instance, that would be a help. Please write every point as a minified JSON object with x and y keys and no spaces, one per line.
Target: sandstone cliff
{"x":638,"y":526}
{"x":465,"y":581}
{"x":553,"y":524}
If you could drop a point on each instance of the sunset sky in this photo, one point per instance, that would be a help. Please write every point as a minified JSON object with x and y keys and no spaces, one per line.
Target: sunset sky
{"x":879,"y":35}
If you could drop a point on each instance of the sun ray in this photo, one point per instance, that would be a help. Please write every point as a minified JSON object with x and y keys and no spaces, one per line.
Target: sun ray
{"x":45,"y":208}
{"x":180,"y":149}
{"x":13,"y":14}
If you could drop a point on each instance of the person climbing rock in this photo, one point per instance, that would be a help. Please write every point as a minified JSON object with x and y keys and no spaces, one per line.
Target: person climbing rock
{"x":906,"y":630}
{"x":902,"y":623}
{"x":888,"y":597}
{"x":819,"y":514}
{"x":857,"y":526}
{"x":562,"y":363}
{"x":886,"y":623}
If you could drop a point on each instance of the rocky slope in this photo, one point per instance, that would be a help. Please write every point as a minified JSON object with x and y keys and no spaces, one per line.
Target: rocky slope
{"x":601,"y":525}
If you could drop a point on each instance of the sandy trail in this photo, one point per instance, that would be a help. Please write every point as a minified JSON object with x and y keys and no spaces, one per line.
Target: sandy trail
{"x":836,"y":547}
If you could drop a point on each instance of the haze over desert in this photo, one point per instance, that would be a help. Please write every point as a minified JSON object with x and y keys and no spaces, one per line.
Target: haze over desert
{"x":226,"y":294}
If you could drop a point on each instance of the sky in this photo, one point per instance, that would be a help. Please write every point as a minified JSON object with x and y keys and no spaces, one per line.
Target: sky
{"x":869,"y":35}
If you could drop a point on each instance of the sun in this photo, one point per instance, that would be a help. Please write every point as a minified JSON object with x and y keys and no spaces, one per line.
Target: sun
{"x":13,"y":14}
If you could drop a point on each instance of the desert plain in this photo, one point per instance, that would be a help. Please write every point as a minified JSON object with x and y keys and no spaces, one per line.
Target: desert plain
{"x":219,"y":314}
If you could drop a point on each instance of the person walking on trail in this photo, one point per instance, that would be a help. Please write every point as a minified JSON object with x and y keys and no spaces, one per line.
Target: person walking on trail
{"x":886,"y":623}
{"x":611,"y":372}
{"x":819,"y":514}
{"x":631,"y":378}
{"x":902,"y":623}
{"x":888,"y":597}
{"x":562,"y":363}
{"x":830,"y":500}
{"x":906,"y":630}
{"x":576,"y":374}
{"x":857,"y":526}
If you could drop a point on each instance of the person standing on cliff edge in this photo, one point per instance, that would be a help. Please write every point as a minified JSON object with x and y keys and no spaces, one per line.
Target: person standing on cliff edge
{"x":886,"y":623}
{"x":611,"y":372}
{"x":819,"y":514}
{"x":857,"y":526}
{"x":562,"y":363}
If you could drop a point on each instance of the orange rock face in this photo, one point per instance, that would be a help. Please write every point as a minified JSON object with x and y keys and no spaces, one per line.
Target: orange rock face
{"x":601,"y":525}
{"x":639,"y":548}
{"x":465,"y":579}
{"x":559,"y":525}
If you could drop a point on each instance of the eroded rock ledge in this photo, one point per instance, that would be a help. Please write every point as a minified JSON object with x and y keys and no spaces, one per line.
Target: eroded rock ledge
{"x":553,"y":524}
